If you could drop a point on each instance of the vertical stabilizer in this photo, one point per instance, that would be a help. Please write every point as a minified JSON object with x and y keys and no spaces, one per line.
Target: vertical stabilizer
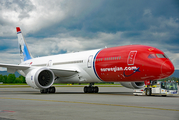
{"x":24,"y":51}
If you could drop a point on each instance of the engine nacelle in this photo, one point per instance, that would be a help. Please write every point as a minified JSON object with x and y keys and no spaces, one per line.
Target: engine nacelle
{"x":40,"y":78}
{"x":133,"y":85}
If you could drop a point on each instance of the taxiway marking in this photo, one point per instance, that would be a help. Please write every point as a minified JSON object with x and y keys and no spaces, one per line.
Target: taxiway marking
{"x":90,"y":103}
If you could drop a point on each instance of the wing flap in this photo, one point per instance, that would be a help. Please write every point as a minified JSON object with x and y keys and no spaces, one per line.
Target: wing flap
{"x":63,"y":72}
{"x":12,"y":68}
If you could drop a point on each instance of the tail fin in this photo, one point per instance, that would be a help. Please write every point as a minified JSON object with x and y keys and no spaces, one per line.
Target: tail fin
{"x":24,"y":51}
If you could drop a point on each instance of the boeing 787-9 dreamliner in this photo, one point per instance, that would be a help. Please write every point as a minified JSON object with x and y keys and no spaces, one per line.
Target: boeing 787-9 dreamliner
{"x":131,"y":65}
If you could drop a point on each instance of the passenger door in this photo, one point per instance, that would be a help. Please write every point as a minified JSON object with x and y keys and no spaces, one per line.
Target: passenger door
{"x":90,"y":60}
{"x":131,"y":57}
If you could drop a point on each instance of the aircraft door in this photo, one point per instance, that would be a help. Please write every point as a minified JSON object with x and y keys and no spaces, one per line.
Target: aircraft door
{"x":90,"y":60}
{"x":49,"y":64}
{"x":131,"y":57}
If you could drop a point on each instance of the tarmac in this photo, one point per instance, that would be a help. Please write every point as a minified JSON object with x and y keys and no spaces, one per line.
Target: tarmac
{"x":70,"y":103}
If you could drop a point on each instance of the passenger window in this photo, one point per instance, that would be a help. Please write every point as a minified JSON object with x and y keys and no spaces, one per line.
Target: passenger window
{"x":152,"y":56}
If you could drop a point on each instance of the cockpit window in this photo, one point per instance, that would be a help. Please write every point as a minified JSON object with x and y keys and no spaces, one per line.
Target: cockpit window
{"x":161,"y":56}
{"x":165,"y":56}
{"x":152,"y":56}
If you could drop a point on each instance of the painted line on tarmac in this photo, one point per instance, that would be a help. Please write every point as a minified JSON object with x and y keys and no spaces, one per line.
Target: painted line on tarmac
{"x":90,"y":103}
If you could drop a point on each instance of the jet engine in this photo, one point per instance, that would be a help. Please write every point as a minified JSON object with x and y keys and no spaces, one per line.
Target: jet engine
{"x":133,"y":85}
{"x":40,"y":78}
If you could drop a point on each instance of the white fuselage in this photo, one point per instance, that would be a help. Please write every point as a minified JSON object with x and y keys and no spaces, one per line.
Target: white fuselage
{"x":79,"y":61}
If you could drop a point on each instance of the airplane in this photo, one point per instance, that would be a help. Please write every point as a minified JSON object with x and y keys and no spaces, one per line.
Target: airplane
{"x":131,"y":65}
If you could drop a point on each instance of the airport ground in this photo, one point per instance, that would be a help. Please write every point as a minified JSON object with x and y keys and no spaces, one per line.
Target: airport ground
{"x":70,"y":103}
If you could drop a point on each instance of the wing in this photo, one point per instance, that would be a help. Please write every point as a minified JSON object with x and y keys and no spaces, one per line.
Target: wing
{"x":11,"y":68}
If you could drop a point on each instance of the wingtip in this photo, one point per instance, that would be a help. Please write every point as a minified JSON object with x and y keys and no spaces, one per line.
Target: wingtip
{"x":18,"y":29}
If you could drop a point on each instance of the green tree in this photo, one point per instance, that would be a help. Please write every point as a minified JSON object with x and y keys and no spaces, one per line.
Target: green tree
{"x":4,"y":80}
{"x":17,"y":80}
{"x":11,"y":78}
{"x":20,"y":79}
{"x":1,"y":78}
{"x":23,"y":79}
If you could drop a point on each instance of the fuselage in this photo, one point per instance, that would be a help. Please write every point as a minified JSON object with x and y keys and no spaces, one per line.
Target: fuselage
{"x":117,"y":64}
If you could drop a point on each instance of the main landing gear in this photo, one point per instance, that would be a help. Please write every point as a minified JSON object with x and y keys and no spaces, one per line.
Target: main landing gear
{"x":91,"y":89}
{"x":48,"y":90}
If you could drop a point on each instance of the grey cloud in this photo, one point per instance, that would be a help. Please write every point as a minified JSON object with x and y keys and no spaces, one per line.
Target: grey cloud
{"x":82,"y":23}
{"x":23,"y":7}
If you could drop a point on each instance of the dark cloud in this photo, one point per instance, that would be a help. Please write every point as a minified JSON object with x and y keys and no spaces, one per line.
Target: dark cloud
{"x":82,"y":23}
{"x":5,"y":44}
{"x":114,"y":15}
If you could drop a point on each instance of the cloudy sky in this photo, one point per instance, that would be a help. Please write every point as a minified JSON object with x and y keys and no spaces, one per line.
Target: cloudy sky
{"x":59,"y":26}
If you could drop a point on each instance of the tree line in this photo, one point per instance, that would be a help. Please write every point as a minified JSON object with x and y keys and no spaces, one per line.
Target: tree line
{"x":11,"y":78}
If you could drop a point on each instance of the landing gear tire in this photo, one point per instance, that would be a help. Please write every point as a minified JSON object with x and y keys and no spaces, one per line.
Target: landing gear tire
{"x":85,"y":89}
{"x":48,"y":90}
{"x":148,"y":92}
{"x":96,"y":89}
{"x":91,"y":89}
{"x":51,"y":89}
{"x":44,"y":91}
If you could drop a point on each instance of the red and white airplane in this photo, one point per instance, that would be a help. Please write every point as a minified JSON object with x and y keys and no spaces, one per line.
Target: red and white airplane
{"x":131,"y":65}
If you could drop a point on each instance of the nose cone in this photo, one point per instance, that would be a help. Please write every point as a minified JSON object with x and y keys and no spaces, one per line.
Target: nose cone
{"x":167,"y":68}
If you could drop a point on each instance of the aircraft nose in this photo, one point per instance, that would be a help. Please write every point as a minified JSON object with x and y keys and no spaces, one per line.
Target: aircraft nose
{"x":167,"y":68}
